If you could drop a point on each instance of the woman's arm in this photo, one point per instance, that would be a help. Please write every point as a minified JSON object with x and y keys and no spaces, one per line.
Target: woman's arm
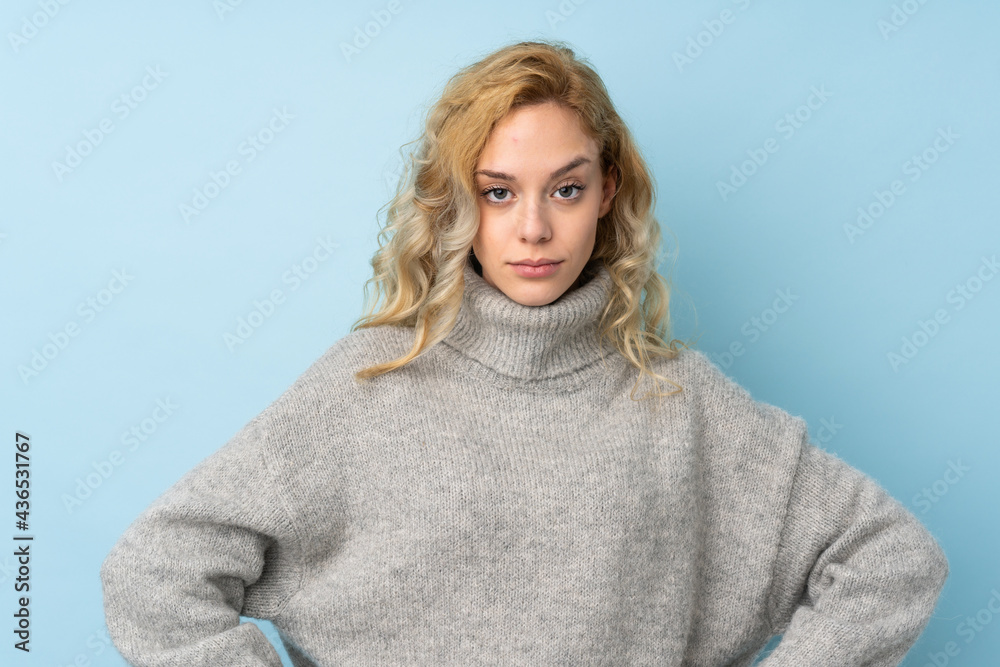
{"x":857,"y":575}
{"x":215,"y":545}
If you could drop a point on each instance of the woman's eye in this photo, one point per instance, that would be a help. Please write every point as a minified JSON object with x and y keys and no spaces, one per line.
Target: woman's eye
{"x":505,"y":191}
{"x":567,"y":190}
{"x":500,"y":195}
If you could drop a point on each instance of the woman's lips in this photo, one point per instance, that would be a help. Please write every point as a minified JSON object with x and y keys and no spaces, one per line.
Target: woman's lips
{"x":528,"y":271}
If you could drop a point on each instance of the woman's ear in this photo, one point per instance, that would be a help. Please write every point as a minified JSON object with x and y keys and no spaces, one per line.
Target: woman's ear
{"x":610,"y":189}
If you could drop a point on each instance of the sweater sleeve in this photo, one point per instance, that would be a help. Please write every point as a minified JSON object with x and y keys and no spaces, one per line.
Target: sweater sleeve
{"x":215,"y":545}
{"x":857,"y":575}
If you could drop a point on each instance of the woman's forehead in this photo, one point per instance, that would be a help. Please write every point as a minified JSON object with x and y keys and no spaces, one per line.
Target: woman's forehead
{"x":537,"y":140}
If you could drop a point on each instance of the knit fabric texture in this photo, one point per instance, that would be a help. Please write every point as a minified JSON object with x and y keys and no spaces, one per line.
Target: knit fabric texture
{"x":502,"y":500}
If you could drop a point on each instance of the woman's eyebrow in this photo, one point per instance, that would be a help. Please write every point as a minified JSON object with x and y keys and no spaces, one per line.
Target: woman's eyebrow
{"x":576,"y":162}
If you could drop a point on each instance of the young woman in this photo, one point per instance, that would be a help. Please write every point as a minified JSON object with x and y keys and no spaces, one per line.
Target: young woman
{"x":468,"y":477}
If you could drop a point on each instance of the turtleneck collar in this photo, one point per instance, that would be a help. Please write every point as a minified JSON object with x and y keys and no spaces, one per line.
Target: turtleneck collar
{"x":532,"y":343}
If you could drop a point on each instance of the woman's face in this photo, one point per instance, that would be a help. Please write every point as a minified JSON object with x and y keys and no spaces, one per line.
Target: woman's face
{"x":541,"y":192}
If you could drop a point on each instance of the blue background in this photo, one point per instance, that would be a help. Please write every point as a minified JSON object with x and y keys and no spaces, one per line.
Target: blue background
{"x":855,"y":297}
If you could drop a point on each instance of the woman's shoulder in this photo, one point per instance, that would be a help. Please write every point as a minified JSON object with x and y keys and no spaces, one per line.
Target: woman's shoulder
{"x":692,"y":369}
{"x":329,"y":380}
{"x":353,"y":352}
{"x":712,"y":389}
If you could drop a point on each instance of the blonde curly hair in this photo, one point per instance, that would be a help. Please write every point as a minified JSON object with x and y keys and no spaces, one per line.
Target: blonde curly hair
{"x":433,"y":217}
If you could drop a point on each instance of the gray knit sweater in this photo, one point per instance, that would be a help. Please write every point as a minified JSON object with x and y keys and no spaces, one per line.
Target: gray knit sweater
{"x":502,"y":500}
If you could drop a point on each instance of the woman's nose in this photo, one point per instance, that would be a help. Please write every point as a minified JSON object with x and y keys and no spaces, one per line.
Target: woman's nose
{"x":533,"y":222}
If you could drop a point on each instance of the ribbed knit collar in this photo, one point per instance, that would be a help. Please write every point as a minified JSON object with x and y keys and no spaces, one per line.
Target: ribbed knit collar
{"x":531,"y":343}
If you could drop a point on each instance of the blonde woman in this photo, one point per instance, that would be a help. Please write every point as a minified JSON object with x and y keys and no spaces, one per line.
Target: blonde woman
{"x":471,"y":476}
